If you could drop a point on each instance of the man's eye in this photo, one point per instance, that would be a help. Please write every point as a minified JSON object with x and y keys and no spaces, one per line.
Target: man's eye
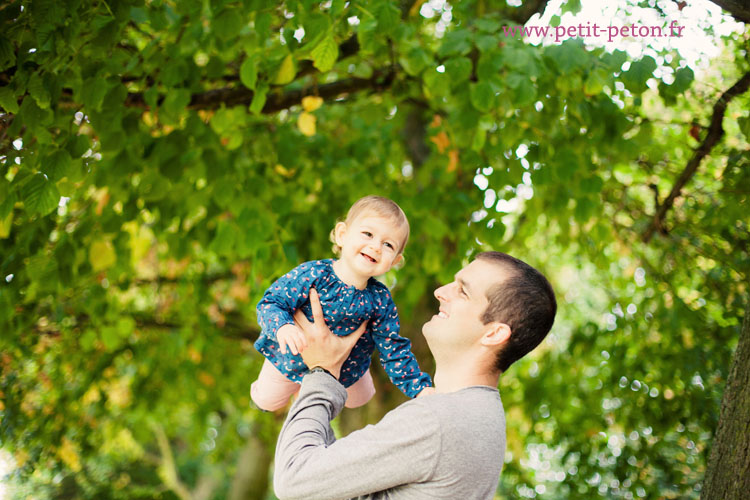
{"x":462,"y":292}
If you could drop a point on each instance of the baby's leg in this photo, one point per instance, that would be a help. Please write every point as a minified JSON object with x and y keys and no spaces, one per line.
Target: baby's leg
{"x":360,"y":392}
{"x":272,"y":390}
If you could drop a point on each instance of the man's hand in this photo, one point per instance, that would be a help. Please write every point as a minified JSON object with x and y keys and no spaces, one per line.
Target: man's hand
{"x":291,"y":337}
{"x":426,"y":392}
{"x":323,"y":348}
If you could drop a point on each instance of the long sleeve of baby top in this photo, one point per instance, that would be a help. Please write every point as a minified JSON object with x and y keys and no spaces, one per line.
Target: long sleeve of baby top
{"x":344,"y":308}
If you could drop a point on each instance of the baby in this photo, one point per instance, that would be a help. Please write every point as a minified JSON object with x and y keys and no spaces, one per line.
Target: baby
{"x":369,"y":242}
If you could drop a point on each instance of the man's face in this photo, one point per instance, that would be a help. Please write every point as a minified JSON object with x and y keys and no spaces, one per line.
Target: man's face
{"x":458,"y":323}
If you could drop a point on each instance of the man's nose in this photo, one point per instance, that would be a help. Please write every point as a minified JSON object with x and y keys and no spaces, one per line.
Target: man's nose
{"x":440,"y":293}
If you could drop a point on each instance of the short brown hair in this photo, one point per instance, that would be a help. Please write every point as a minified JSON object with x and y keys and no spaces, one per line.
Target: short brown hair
{"x":381,"y":206}
{"x":525,"y":302}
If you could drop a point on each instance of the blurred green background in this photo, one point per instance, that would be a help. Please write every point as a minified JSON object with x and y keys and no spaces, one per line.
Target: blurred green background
{"x":160,"y":168}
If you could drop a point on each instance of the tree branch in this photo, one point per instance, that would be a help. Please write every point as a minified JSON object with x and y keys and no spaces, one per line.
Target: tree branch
{"x":715,"y":133}
{"x":738,"y":9}
{"x":168,"y":465}
{"x":241,"y":96}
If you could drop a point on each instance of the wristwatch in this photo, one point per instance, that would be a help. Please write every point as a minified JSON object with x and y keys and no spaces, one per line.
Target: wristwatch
{"x":320,"y":369}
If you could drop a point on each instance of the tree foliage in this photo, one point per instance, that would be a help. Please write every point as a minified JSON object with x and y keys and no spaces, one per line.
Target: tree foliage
{"x":163,"y":162}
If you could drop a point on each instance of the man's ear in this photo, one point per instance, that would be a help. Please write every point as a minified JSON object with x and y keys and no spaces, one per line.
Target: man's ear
{"x":338,"y":233}
{"x":497,"y":334}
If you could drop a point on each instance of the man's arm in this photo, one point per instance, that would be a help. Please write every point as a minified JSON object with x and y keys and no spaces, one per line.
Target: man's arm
{"x":310,"y":464}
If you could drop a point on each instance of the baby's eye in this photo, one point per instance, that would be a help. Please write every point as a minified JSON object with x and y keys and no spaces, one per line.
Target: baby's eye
{"x":367,"y":233}
{"x":389,"y":245}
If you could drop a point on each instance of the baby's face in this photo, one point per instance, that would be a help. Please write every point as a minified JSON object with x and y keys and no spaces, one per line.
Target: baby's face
{"x":370,"y":244}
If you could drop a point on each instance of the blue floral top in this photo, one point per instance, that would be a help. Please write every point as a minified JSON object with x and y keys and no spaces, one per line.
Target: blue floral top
{"x":344,"y":307}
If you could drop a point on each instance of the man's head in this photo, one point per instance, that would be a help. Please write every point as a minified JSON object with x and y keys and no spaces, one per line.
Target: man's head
{"x":498,"y":308}
{"x":524,"y":301}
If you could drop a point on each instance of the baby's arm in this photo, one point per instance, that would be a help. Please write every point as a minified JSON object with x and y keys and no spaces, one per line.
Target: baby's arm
{"x":395,"y":351}
{"x":276,"y":308}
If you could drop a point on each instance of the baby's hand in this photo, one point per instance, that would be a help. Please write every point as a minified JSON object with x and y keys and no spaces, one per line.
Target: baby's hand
{"x":291,"y":337}
{"x":426,"y":392}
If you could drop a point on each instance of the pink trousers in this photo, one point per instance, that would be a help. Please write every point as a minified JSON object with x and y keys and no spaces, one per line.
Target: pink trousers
{"x":272,"y":390}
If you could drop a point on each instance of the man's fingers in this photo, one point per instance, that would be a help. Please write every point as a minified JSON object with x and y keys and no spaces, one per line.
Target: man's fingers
{"x":301,"y":340}
{"x":282,"y":346}
{"x":317,"y":310}
{"x":293,"y":347}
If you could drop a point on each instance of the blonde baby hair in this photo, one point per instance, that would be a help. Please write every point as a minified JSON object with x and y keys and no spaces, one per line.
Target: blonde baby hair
{"x":380,"y":206}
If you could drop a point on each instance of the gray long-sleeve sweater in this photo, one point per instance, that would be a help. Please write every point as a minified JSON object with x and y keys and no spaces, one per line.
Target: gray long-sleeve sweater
{"x":440,"y":446}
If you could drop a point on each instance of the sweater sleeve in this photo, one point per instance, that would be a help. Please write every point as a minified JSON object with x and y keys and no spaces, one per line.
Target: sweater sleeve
{"x":394,"y":350}
{"x":311,"y":464}
{"x":284,"y":296}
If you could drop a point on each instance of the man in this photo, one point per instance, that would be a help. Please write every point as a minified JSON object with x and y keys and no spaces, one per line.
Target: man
{"x":450,"y":444}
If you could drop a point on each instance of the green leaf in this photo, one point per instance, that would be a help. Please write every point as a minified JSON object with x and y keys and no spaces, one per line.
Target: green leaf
{"x":8,"y":100}
{"x":437,"y":84}
{"x":415,"y":61}
{"x":110,"y":338}
{"x":594,"y":83}
{"x":515,"y":80}
{"x":744,"y":123}
{"x":486,"y":43}
{"x":223,"y":242}
{"x":259,"y":99}
{"x":286,"y":71}
{"x":227,"y":24}
{"x":40,"y":195}
{"x":525,"y":93}
{"x":316,"y":27}
{"x":32,"y":115}
{"x":249,"y":73}
{"x":6,"y":206}
{"x":488,"y":25}
{"x":38,"y":91}
{"x":683,"y":78}
{"x":482,"y":95}
{"x":480,"y":137}
{"x":456,"y":42}
{"x":77,"y":145}
{"x":324,"y":54}
{"x":176,"y":101}
{"x":263,"y":25}
{"x":389,"y":17}
{"x":57,"y":164}
{"x":489,"y":65}
{"x":94,"y":90}
{"x":568,"y":56}
{"x":88,"y":339}
{"x":7,"y":54}
{"x":458,"y":69}
{"x":102,"y":255}
{"x":639,"y":72}
{"x":572,"y":6}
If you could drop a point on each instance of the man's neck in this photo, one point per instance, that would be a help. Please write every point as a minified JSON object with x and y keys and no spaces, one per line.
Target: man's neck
{"x":454,"y":378}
